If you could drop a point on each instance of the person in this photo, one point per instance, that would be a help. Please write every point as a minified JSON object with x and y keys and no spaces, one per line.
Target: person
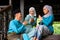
{"x":45,"y":27}
{"x":16,"y":30}
{"x":30,"y":19}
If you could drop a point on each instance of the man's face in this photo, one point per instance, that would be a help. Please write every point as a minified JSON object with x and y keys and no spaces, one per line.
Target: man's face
{"x":19,"y":16}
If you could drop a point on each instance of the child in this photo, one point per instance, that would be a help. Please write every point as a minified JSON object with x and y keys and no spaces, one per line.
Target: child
{"x":45,"y":27}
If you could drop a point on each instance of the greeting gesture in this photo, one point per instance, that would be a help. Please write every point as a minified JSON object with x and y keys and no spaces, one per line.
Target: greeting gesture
{"x":31,"y":20}
{"x":40,"y":17}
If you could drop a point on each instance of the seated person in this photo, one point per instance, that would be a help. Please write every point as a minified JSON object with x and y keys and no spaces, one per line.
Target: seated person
{"x":45,"y":27}
{"x":30,"y":19}
{"x":16,"y":28}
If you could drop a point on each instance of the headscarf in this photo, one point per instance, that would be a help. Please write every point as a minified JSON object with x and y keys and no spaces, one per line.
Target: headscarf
{"x":49,"y":9}
{"x":32,"y":8}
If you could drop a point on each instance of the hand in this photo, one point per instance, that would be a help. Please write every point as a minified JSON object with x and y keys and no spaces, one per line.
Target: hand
{"x":25,"y":22}
{"x":40,"y":17}
{"x":31,"y":20}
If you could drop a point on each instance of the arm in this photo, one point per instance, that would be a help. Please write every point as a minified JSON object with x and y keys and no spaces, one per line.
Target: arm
{"x":27,"y":19}
{"x":14,"y":28}
{"x":22,"y":29}
{"x":48,"y":20}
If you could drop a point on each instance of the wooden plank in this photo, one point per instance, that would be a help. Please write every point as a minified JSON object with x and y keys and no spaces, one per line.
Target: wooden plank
{"x":4,"y":6}
{"x":5,"y":9}
{"x":52,"y":37}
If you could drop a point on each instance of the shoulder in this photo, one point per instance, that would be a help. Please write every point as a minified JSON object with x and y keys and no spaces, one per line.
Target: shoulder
{"x":12,"y":21}
{"x":51,"y":16}
{"x":28,"y":15}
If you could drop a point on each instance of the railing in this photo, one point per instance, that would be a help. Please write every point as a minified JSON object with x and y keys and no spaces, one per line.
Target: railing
{"x":5,"y":17}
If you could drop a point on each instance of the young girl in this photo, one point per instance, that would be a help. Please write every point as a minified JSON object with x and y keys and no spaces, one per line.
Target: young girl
{"x":45,"y":27}
{"x":30,"y":19}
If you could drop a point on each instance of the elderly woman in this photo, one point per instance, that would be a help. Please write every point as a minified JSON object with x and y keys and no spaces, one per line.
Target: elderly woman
{"x":30,"y":19}
{"x":45,"y":27}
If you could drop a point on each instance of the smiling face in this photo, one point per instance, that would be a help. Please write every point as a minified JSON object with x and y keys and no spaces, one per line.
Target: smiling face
{"x":45,"y":10}
{"x":18,"y":16}
{"x":31,"y":12}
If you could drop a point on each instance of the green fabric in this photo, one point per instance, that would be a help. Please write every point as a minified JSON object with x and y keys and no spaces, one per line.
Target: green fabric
{"x":38,"y":20}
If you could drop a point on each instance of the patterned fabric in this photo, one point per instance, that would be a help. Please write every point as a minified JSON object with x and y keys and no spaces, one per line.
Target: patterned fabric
{"x":40,"y":31}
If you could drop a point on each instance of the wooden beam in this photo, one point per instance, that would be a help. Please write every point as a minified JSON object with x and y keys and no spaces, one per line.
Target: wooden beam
{"x":4,"y":6}
{"x":10,"y":2}
{"x":22,"y":7}
{"x":5,"y":9}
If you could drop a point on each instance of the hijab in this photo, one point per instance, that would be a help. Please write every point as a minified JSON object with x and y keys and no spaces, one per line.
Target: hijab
{"x":49,"y":9}
{"x":32,"y":8}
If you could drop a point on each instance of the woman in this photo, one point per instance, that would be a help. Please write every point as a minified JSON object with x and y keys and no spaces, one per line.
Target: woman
{"x":30,"y":19}
{"x":45,"y":27}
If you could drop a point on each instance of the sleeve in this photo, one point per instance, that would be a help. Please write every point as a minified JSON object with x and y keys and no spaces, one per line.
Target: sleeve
{"x":22,"y":29}
{"x":14,"y":28}
{"x":27,"y":19}
{"x":47,"y":21}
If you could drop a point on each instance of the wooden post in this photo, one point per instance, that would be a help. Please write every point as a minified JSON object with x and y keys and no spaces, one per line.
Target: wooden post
{"x":22,"y":7}
{"x":10,"y":2}
{"x":4,"y":24}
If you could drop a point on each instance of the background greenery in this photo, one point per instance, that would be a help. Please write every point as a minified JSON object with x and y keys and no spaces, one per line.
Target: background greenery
{"x":56,"y":26}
